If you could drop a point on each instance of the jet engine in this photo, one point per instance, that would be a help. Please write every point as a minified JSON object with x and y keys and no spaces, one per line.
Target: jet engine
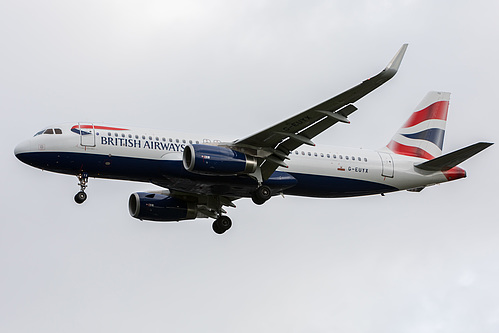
{"x":160,"y":207}
{"x":215,"y":160}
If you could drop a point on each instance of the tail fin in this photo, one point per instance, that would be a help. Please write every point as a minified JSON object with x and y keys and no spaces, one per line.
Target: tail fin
{"x":423,"y":133}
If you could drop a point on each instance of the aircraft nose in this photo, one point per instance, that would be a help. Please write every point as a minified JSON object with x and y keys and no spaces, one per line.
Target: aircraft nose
{"x":22,"y":148}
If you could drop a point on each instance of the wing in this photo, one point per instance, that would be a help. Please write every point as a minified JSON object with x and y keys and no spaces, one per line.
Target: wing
{"x":272,"y":145}
{"x":208,"y":205}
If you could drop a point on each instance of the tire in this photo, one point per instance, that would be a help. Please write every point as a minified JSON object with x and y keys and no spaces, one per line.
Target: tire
{"x":216,"y":228}
{"x":80,"y":197}
{"x":222,"y":224}
{"x":261,"y":195}
{"x":257,"y":200}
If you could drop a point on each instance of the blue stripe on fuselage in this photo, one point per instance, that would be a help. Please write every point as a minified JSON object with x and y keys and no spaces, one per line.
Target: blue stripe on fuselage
{"x":171,"y":174}
{"x":334,"y":187}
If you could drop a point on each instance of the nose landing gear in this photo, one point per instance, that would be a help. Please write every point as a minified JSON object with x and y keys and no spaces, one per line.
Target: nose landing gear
{"x":81,"y":196}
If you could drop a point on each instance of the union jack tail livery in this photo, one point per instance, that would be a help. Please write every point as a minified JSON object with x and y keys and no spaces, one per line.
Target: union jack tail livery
{"x":423,"y":133}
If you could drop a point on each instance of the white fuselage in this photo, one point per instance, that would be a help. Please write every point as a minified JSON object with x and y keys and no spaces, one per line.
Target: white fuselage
{"x":127,"y":153}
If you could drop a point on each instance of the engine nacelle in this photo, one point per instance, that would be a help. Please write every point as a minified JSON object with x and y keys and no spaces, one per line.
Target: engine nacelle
{"x":215,"y":160}
{"x":160,"y":207}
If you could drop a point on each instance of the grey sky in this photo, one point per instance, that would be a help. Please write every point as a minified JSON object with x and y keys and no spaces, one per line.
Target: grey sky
{"x":406,"y":262}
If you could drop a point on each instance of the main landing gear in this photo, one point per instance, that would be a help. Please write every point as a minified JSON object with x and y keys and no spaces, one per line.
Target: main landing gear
{"x":222,"y":224}
{"x":261,"y":195}
{"x":81,"y":196}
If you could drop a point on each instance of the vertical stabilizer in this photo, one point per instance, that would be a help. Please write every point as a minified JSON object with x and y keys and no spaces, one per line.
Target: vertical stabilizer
{"x":423,"y":133}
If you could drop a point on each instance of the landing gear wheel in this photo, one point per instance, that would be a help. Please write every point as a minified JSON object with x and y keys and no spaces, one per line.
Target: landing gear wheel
{"x":80,"y":197}
{"x":222,"y":224}
{"x":261,"y":195}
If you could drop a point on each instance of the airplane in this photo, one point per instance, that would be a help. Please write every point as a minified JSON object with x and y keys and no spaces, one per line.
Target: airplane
{"x":200,"y":175}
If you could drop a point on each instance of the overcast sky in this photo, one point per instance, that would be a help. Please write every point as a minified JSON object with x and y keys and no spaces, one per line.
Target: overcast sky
{"x":406,"y":262}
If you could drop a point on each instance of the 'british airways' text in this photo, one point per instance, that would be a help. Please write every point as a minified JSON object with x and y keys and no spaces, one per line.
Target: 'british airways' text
{"x":134,"y":143}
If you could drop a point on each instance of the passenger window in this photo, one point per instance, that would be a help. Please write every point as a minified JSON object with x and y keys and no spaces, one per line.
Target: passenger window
{"x":365,"y":159}
{"x":322,"y":155}
{"x":177,"y":140}
{"x":170,"y":139}
{"x":143,"y":137}
{"x":183,"y":141}
{"x":315,"y":154}
{"x":136,"y":136}
{"x":328,"y":156}
{"x":108,"y":133}
{"x":49,"y":131}
{"x":359,"y":159}
{"x":303,"y":153}
{"x":157,"y":139}
{"x":341,"y":157}
{"x":58,"y":131}
{"x":190,"y":142}
{"x":122,"y":135}
{"x":334,"y":156}
{"x":346,"y":157}
{"x":116,"y":134}
{"x":150,"y":137}
{"x":129,"y":136}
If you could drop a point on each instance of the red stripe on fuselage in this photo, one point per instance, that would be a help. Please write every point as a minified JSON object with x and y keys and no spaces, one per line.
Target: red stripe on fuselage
{"x":437,"y":110}
{"x":401,"y":149}
{"x":100,"y":127}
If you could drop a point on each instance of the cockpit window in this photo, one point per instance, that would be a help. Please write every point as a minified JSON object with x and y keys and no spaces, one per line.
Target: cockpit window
{"x":49,"y":131}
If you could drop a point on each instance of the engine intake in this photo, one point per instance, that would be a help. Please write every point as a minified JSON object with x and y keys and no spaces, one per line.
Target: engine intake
{"x":160,"y":207}
{"x":217,"y":160}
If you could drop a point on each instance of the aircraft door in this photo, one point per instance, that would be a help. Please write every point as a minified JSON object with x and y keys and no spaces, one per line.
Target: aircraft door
{"x":87,"y":134}
{"x":387,"y":164}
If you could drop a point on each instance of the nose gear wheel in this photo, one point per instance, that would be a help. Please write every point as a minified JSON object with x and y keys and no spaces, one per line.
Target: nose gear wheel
{"x":81,"y":196}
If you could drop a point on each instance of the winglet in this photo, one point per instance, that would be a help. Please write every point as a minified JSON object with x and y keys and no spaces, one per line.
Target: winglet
{"x":394,"y":64}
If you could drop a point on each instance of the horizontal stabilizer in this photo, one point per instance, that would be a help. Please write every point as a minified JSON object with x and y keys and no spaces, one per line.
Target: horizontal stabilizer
{"x":450,"y":160}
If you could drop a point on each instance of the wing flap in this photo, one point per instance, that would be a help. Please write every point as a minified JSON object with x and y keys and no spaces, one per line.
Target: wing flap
{"x":301,"y":128}
{"x":306,"y":118}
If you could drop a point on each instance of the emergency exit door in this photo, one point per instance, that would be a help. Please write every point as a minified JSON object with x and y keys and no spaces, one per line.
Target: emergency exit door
{"x":387,"y":165}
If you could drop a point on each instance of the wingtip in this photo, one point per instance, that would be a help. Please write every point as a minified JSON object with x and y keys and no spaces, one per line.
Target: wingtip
{"x":394,"y":64}
{"x":486,"y":144}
